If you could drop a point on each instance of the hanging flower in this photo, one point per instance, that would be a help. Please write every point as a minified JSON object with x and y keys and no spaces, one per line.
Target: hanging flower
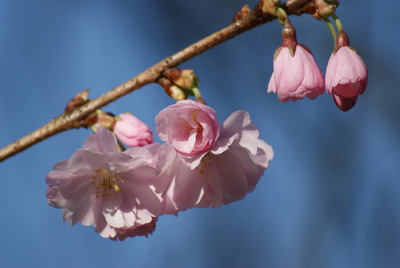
{"x":226,"y":169}
{"x":131,"y":131}
{"x":346,"y":74}
{"x":296,"y":74}
{"x":108,"y":189}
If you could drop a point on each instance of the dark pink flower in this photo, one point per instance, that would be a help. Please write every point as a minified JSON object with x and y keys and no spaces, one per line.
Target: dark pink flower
{"x":132,"y":132}
{"x":226,"y":172}
{"x":190,"y":127}
{"x":346,"y":77}
{"x":108,"y":189}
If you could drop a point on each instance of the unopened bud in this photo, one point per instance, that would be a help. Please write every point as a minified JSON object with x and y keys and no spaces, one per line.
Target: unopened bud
{"x":80,"y":99}
{"x":320,"y":9}
{"x":267,"y":7}
{"x":172,"y":90}
{"x":131,"y":131}
{"x":243,"y":12}
{"x":177,"y":93}
{"x":182,"y":78}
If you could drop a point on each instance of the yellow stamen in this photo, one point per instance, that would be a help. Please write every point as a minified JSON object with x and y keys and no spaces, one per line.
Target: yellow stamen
{"x":106,"y":183}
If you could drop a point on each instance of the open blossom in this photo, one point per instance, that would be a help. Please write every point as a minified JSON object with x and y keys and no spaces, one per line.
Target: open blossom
{"x":108,"y":189}
{"x":132,"y":132}
{"x":225,"y":172}
{"x":296,"y":75}
{"x":346,"y":74}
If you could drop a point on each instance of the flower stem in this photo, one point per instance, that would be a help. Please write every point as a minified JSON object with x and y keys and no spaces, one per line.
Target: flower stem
{"x":282,"y":16}
{"x":338,"y":23}
{"x":331,"y":29}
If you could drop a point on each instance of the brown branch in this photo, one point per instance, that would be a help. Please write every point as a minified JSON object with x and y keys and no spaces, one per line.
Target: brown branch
{"x":72,"y":119}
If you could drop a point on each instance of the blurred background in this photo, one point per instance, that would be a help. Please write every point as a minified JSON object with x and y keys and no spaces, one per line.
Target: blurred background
{"x":330,"y":197}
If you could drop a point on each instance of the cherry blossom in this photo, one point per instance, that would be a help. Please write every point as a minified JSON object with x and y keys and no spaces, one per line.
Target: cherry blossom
{"x":108,"y":189}
{"x":225,"y":172}
{"x":190,"y":127}
{"x":346,"y":76}
{"x":296,"y":75}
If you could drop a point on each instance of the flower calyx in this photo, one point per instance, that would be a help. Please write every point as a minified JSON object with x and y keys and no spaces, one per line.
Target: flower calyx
{"x":289,"y":39}
{"x":342,"y":40}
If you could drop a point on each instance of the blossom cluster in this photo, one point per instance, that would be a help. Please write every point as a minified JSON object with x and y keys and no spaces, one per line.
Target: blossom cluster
{"x":296,"y":75}
{"x":122,"y":193}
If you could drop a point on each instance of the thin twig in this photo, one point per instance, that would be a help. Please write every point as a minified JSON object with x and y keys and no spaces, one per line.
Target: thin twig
{"x":72,"y":119}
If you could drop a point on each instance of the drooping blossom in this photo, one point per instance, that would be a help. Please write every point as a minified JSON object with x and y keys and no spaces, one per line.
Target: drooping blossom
{"x":108,"y":189}
{"x":132,"y":132}
{"x":296,"y":75}
{"x":228,"y":167}
{"x":346,"y":74}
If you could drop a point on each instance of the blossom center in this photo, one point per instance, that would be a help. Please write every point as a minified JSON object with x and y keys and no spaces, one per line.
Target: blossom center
{"x":206,"y":161}
{"x":189,"y":128}
{"x":107,"y":184}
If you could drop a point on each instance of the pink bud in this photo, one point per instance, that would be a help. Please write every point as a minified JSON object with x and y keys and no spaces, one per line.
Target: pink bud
{"x":132,"y":132}
{"x":296,"y":76}
{"x":346,"y":77}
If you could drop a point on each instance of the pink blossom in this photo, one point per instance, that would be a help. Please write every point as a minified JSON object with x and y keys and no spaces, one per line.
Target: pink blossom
{"x":296,"y":76}
{"x":132,"y":132}
{"x":346,"y":77}
{"x":190,"y":127}
{"x":226,"y":172}
{"x":108,"y":189}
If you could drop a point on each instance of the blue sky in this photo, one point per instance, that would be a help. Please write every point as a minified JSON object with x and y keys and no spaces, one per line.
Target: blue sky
{"x":330,"y":197}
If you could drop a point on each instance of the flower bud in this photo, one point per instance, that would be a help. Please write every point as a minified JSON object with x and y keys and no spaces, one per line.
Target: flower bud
{"x":131,"y":131}
{"x":80,"y":99}
{"x":320,"y":9}
{"x":177,"y":93}
{"x":185,"y":79}
{"x":243,"y":12}
{"x":267,"y":7}
{"x":179,"y":84}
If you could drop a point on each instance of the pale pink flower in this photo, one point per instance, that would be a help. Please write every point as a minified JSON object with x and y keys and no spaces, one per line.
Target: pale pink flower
{"x":108,"y":189}
{"x":296,"y":76}
{"x":226,"y":172}
{"x":346,"y":77}
{"x":132,"y":132}
{"x":190,"y":127}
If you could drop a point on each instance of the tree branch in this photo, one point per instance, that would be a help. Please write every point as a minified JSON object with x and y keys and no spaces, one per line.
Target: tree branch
{"x":72,"y":119}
